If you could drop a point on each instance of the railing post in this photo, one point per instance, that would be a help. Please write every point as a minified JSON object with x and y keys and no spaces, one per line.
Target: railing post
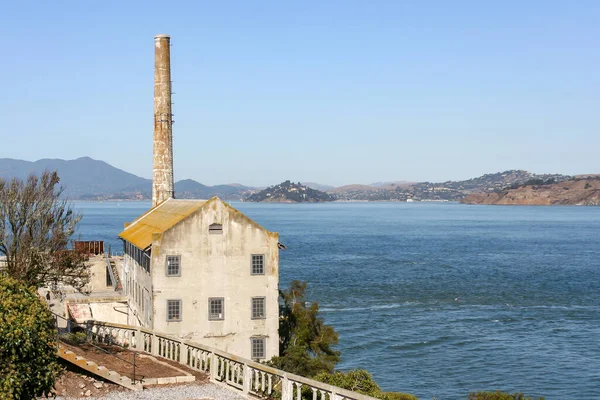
{"x":88,"y":330}
{"x":286,"y":393}
{"x":247,"y":378}
{"x":154,"y":345}
{"x":333,"y":394}
{"x":139,"y":344}
{"x":183,"y":353}
{"x":214,"y":366}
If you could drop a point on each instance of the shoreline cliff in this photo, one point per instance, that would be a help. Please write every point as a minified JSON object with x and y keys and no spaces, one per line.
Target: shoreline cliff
{"x":585,"y":192}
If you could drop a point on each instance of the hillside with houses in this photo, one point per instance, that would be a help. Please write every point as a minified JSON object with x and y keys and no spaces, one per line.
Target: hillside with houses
{"x":289,"y":192}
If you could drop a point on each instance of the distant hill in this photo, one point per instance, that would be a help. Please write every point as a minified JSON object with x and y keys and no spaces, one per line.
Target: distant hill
{"x":440,"y":191}
{"x":289,"y":192}
{"x":81,"y":177}
{"x":89,"y":179}
{"x":387,"y":184}
{"x":190,"y":189}
{"x":354,"y":188}
{"x":582,"y":191}
{"x":317,"y":186}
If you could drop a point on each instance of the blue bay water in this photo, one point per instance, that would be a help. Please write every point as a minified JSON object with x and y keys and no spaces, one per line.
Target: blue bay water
{"x":440,"y":299}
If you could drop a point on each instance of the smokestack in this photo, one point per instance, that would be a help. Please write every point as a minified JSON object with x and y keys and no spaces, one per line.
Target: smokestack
{"x":162,"y":163}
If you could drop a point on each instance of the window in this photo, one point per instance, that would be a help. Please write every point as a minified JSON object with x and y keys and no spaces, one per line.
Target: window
{"x":215,"y":229}
{"x":258,"y":308}
{"x":173,"y":263}
{"x":258,"y":347}
{"x":258,"y":264}
{"x":216,"y":308}
{"x":173,"y":310}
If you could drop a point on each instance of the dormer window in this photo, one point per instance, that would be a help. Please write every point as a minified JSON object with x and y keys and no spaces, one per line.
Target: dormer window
{"x":215,"y":229}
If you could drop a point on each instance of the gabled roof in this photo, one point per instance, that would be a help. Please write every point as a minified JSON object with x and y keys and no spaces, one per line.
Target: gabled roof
{"x":158,"y":219}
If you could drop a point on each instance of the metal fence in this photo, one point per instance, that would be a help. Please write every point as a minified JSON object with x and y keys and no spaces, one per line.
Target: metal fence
{"x":67,"y":333}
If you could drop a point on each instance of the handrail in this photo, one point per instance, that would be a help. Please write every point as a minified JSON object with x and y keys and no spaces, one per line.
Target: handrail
{"x":238,"y":373}
{"x":86,"y":326}
{"x":110,"y":271}
{"x":132,"y":363}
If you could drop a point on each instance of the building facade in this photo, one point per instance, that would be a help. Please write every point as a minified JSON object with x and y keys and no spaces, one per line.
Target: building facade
{"x":201,"y":270}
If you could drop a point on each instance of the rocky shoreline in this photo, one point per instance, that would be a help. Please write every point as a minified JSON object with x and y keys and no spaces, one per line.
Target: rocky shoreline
{"x":583,"y":192}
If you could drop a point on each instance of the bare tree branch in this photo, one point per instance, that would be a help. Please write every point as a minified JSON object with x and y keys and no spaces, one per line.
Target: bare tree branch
{"x":35,"y":228}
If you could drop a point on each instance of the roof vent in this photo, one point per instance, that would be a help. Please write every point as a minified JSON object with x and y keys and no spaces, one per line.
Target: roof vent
{"x":215,"y":229}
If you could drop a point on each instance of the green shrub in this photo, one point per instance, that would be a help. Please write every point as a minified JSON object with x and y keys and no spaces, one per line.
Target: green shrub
{"x":359,"y":380}
{"x":74,"y":338}
{"x":396,"y":396}
{"x":500,"y":396}
{"x":28,"y":361}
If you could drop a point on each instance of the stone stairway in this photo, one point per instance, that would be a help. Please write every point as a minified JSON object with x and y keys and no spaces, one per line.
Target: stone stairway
{"x":96,"y":369}
{"x":119,"y":284}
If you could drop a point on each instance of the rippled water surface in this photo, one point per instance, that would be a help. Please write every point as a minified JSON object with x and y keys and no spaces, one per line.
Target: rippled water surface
{"x":441,"y":299}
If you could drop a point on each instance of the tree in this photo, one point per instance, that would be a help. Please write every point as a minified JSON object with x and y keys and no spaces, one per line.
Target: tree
{"x":28,"y":360}
{"x":35,"y":229}
{"x":305,"y":341}
{"x":359,"y":380}
{"x":305,"y":348}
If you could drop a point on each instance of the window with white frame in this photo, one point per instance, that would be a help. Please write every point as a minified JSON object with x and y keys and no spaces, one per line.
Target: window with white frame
{"x":258,"y":308}
{"x":173,"y":266}
{"x":216,"y":308}
{"x":258,"y":264}
{"x":173,"y":310}
{"x":258,"y":348}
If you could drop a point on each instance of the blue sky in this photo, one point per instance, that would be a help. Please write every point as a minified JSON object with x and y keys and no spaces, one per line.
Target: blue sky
{"x":335,"y":92}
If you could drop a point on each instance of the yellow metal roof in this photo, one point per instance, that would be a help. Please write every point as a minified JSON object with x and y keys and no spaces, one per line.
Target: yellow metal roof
{"x":159,"y":219}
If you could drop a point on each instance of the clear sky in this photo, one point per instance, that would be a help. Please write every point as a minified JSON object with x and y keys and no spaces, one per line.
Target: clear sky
{"x":335,"y":92}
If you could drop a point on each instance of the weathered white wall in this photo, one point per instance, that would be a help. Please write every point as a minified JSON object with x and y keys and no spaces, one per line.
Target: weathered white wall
{"x":136,"y":279}
{"x":218,"y":265}
{"x":98,"y":275}
{"x":115,"y":312}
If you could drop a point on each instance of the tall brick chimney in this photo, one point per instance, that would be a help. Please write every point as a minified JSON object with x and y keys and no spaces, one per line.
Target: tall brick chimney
{"x":162,"y":163}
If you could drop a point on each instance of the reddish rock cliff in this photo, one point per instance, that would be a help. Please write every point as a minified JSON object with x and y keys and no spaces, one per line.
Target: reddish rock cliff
{"x":575,"y":192}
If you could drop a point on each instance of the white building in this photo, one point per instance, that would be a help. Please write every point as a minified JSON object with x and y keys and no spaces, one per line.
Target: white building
{"x":203,"y":271}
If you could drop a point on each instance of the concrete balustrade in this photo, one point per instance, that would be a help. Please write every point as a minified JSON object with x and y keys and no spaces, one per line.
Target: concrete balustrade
{"x":239,"y":374}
